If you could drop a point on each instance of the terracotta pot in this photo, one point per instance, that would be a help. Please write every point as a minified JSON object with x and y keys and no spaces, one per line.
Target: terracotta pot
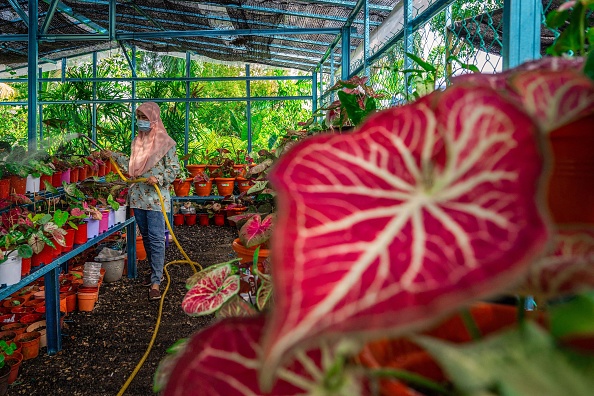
{"x":31,"y":318}
{"x":240,"y":169}
{"x":43,"y":179}
{"x":140,"y":251}
{"x":4,"y":374}
{"x":203,"y":219}
{"x":57,"y":179}
{"x":219,"y":219}
{"x":243,"y":184}
{"x":14,"y":362}
{"x":30,"y":344}
{"x":18,"y":185}
{"x":178,"y":219}
{"x":190,"y":219}
{"x":80,"y":235}
{"x":225,"y":185}
{"x":571,"y":185}
{"x":86,"y":301}
{"x":4,"y":188}
{"x":108,"y":167}
{"x":17,"y":328}
{"x":247,"y":254}
{"x":7,"y":335}
{"x":182,"y":187}
{"x":196,"y":170}
{"x":203,"y":189}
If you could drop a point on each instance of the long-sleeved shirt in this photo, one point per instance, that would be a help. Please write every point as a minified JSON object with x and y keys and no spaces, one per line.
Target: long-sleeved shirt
{"x":144,"y":196}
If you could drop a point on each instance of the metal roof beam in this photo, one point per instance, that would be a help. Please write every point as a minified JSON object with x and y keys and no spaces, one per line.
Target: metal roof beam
{"x":189,"y":33}
{"x":50,"y":15}
{"x":350,"y":4}
{"x":63,"y":8}
{"x":286,"y":12}
{"x":19,"y":10}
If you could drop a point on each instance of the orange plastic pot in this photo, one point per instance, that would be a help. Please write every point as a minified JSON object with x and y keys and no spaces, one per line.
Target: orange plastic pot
{"x":43,"y":179}
{"x":14,"y":361}
{"x":140,"y":251}
{"x":101,"y":171}
{"x":182,"y":187}
{"x":247,"y":254}
{"x":240,"y":169}
{"x":17,"y":328}
{"x":196,"y":170}
{"x":225,"y":185}
{"x":86,"y":301}
{"x":74,"y":173}
{"x":243,"y":184}
{"x":82,"y":173}
{"x":203,"y":189}
{"x":30,"y":344}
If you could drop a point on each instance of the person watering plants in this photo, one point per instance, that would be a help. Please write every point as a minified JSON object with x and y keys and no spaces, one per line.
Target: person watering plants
{"x":153,"y":157}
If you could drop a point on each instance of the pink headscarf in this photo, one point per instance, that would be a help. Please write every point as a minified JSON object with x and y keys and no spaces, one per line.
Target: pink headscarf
{"x":149,"y":147}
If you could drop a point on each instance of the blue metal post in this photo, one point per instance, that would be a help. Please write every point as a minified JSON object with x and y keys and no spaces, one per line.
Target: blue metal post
{"x":248,"y":110}
{"x":321,"y":83}
{"x":40,"y":106}
{"x":52,"y":308}
{"x":131,"y":248}
{"x":94,"y":106}
{"x":32,"y":76}
{"x":112,"y":20}
{"x":332,"y":79}
{"x":345,"y":67}
{"x":187,"y":124}
{"x":314,"y":91}
{"x":133,"y":125}
{"x":63,"y":74}
{"x":366,"y":38}
{"x":521,"y":31}
{"x":49,"y":16}
{"x":408,"y":41}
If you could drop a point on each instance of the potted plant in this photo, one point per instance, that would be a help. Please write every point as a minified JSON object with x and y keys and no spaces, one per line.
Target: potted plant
{"x":214,"y":211}
{"x":7,"y":365}
{"x":14,"y":248}
{"x":224,"y":177}
{"x":202,"y":185}
{"x":183,"y":183}
{"x":421,"y":212}
{"x":356,"y":101}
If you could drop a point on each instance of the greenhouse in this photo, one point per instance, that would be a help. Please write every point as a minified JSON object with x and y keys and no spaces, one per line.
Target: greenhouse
{"x":322,"y":197}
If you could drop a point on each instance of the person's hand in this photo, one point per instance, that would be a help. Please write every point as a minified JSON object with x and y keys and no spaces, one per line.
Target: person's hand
{"x":106,"y":154}
{"x":151,"y":181}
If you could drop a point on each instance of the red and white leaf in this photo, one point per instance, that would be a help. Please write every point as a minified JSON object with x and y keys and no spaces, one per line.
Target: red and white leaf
{"x":236,"y":307}
{"x":211,"y":291}
{"x":167,"y":364}
{"x":427,"y":206}
{"x":256,"y":230}
{"x":567,"y":269}
{"x":192,"y":280}
{"x":264,"y":294}
{"x":224,"y":360}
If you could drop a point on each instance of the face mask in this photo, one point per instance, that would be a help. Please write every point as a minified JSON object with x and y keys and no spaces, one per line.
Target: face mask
{"x":143,"y":125}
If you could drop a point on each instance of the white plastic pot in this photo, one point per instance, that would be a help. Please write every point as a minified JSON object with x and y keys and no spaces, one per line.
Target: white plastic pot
{"x":10,"y":270}
{"x":33,"y":184}
{"x":120,"y":214}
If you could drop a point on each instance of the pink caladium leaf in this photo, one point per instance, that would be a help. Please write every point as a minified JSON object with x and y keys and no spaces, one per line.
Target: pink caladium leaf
{"x":236,"y":307}
{"x":568,"y":268}
{"x":211,"y":291}
{"x":554,"y":91}
{"x":223,"y":359}
{"x":192,"y":280}
{"x":256,"y":230}
{"x":426,"y":207}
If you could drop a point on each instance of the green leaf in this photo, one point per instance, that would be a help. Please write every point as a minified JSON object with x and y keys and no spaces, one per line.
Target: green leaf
{"x":428,"y":67}
{"x":60,"y":217}
{"x":589,"y":65}
{"x":45,"y":218}
{"x":575,"y":317}
{"x":556,"y":19}
{"x":521,"y":362}
{"x":25,"y":251}
{"x":50,"y":188}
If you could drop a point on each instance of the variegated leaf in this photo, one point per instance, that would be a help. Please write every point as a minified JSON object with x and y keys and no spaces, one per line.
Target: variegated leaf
{"x":423,"y":208}
{"x":236,"y":307}
{"x":264,"y":295}
{"x":211,"y":291}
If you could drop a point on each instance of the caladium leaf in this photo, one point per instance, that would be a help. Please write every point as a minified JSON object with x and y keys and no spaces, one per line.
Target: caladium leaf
{"x":37,"y":242}
{"x":60,"y":217}
{"x":192,"y":280}
{"x":211,"y":291}
{"x":166,"y":365}
{"x":256,"y":230}
{"x":73,"y":191}
{"x":568,"y":268}
{"x":223,"y":359}
{"x":236,"y":307}
{"x":425,"y":207}
{"x":50,"y":188}
{"x":25,"y":251}
{"x":264,"y":291}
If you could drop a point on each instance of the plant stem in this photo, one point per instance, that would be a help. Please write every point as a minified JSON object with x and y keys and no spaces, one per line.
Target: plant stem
{"x":521,"y":310}
{"x":410,"y":378}
{"x":470,"y":325}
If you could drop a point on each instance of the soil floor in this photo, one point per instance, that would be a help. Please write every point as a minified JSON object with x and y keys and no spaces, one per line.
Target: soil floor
{"x":100,"y":349}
